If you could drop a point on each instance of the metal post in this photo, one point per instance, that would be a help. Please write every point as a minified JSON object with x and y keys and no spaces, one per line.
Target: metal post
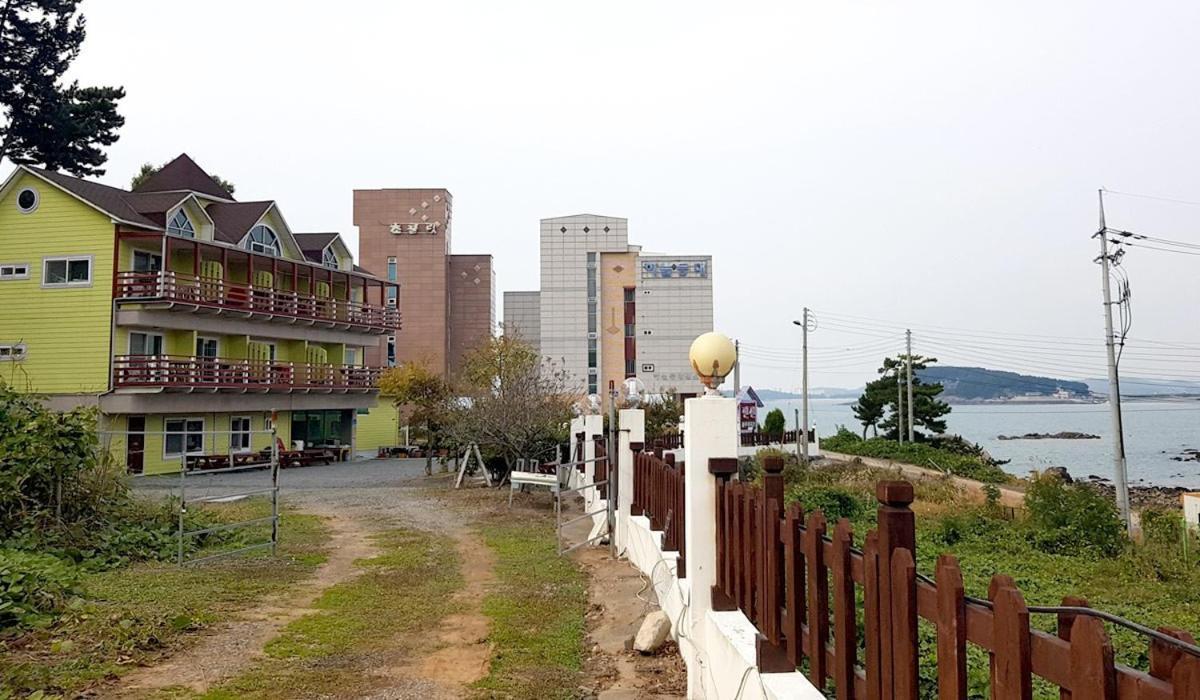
{"x":804,"y":382}
{"x":1114,"y":382}
{"x":799,"y":449}
{"x":182,"y":493}
{"x":274,"y":490}
{"x":737,"y":367}
{"x":908,"y":342}
{"x":611,"y":469}
{"x":899,"y":408}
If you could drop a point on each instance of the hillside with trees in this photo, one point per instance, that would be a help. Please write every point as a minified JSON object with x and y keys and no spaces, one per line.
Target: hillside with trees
{"x":979,"y":384}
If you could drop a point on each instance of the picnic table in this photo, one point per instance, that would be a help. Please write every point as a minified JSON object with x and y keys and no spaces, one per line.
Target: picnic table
{"x":225,"y":461}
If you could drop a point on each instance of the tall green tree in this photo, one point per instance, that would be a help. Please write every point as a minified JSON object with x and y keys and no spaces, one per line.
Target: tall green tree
{"x":61,"y":126}
{"x":884,"y":401}
{"x":423,"y":399}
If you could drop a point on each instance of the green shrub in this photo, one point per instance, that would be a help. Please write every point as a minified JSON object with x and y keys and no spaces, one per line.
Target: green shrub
{"x":34,"y":587}
{"x":1162,"y":528}
{"x":836,"y":503}
{"x":774,"y":423}
{"x":1072,"y":518}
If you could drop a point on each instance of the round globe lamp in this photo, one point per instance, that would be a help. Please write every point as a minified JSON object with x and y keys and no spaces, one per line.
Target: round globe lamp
{"x":713,"y":356}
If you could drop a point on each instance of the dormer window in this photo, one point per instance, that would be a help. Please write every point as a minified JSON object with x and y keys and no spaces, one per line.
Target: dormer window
{"x":329,"y":259}
{"x":181,"y":225}
{"x":263,"y":240}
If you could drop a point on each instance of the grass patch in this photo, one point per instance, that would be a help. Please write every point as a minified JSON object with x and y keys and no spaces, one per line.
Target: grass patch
{"x":537,"y":611}
{"x":132,"y":614}
{"x":970,"y":463}
{"x":399,"y":597}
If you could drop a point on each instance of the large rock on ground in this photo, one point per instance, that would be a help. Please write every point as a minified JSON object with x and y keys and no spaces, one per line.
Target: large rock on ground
{"x":653,"y":633}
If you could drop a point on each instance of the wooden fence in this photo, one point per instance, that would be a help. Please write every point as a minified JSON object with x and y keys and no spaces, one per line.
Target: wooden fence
{"x":658,"y":489}
{"x":798,"y":583}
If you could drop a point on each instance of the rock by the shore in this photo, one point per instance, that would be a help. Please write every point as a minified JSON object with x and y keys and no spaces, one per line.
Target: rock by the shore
{"x":1188,"y":455}
{"x":1059,"y":473}
{"x":1064,"y":435}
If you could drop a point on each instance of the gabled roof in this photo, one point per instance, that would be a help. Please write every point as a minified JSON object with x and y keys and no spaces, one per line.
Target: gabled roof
{"x":110,"y":200}
{"x":232,"y":220}
{"x":749,"y":395}
{"x":155,"y":205}
{"x":182,"y":174}
{"x":313,"y":244}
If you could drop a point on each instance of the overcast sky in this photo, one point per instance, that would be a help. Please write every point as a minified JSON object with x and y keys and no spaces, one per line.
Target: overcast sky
{"x":925,"y":163}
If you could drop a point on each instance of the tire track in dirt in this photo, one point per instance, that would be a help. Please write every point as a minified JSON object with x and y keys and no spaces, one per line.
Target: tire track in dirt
{"x":234,"y":647}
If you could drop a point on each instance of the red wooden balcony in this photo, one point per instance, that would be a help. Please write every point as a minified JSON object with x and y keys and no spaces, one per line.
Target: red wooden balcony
{"x":180,"y":373}
{"x":219,"y":296}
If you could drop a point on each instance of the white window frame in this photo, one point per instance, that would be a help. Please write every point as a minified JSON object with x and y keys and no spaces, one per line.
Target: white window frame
{"x":13,"y":352}
{"x":150,"y":253}
{"x":256,"y":247}
{"x":328,"y":256}
{"x":37,"y":200}
{"x":178,"y":231}
{"x":149,"y":334}
{"x":215,"y":339}
{"x":68,"y":259}
{"x":245,"y":437}
{"x":167,"y":432}
{"x":13,"y":274}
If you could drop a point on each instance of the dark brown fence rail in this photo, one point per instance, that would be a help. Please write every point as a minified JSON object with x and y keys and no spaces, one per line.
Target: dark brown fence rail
{"x":798,"y":582}
{"x":788,"y":437}
{"x":658,"y":489}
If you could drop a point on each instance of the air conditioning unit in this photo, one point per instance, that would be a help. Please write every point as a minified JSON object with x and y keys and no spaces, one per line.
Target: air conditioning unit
{"x":593,"y":336}
{"x":647,"y":367}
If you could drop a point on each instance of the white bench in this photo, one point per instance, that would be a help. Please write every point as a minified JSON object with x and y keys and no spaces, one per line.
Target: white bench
{"x":520,"y":478}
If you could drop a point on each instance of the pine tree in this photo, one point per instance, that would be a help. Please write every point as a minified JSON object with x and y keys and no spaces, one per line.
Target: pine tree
{"x":878,"y":407}
{"x":63,"y":127}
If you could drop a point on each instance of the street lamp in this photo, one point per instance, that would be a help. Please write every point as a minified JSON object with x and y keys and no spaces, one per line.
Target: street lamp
{"x":713,"y":356}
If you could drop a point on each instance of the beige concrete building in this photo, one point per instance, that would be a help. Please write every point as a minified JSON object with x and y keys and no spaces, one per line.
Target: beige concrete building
{"x":606,"y":310}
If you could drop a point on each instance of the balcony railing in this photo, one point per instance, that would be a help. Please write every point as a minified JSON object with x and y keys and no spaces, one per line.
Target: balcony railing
{"x":250,"y":300}
{"x":216,"y":373}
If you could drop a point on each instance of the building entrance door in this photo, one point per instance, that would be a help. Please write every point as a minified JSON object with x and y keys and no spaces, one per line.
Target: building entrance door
{"x":135,"y":444}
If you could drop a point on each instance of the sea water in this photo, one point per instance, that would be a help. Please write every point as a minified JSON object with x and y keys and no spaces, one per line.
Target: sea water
{"x":1154,"y":433}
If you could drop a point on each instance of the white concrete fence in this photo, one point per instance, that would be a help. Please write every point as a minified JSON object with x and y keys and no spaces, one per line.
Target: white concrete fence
{"x":717,"y":646}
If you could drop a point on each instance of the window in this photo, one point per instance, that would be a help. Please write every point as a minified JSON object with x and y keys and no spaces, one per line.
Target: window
{"x":239,"y":433}
{"x":141,"y":343}
{"x":183,"y":436}
{"x":353,"y":355}
{"x":27,"y":200}
{"x":391,"y":269}
{"x":206,"y":348}
{"x":14,"y":271}
{"x":329,"y":258}
{"x":392,"y":294}
{"x":628,"y":295}
{"x":67,"y":272}
{"x":145,"y":261}
{"x":12,"y":353}
{"x":262,"y":239}
{"x":391,"y":351}
{"x":181,"y":225}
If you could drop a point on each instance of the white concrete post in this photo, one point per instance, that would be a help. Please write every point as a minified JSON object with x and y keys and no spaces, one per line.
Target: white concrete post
{"x":633,"y":429}
{"x":593,"y":426}
{"x":710,"y":431}
{"x":574,"y":477}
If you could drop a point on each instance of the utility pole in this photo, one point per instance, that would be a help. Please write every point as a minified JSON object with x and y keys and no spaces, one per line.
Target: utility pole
{"x":908,"y":342}
{"x":804,"y":327}
{"x":899,"y":408}
{"x":737,"y":367}
{"x":1114,"y":381}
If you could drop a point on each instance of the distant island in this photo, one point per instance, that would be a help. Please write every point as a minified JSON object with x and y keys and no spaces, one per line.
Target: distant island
{"x":970,"y":384}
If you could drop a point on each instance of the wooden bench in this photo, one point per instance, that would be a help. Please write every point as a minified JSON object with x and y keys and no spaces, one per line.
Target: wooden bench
{"x":534,"y":475}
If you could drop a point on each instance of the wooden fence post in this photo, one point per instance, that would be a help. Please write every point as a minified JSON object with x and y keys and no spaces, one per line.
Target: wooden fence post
{"x":1012,"y":671}
{"x":1065,"y":621}
{"x":951,"y":630}
{"x":793,"y":564}
{"x":818,"y":599}
{"x":897,"y":530}
{"x":871,"y":600}
{"x":845,"y":625}
{"x":1093,"y":675}
{"x":905,"y":675}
